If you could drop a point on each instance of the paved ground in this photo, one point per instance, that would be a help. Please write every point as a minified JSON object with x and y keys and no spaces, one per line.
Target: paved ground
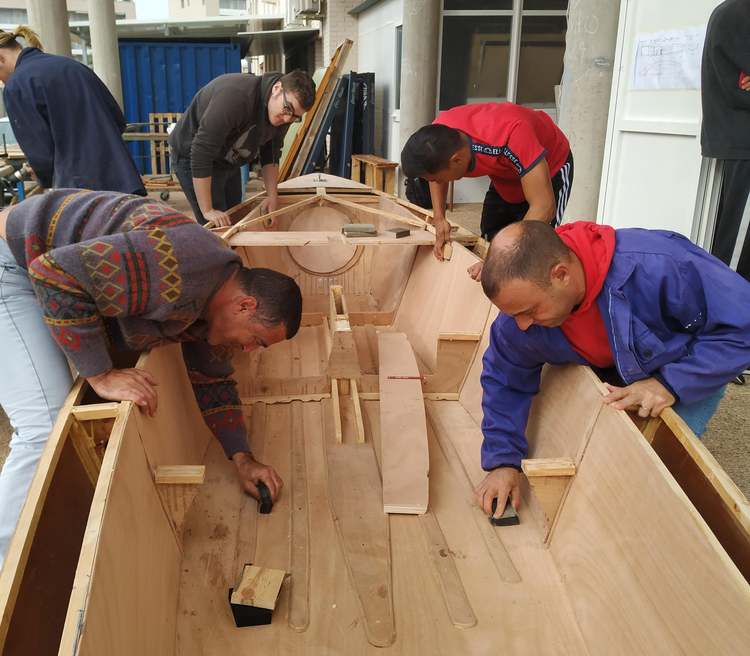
{"x":728,"y":435}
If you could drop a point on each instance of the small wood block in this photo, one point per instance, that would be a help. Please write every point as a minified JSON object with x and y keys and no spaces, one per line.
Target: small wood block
{"x":95,"y":411}
{"x":254,"y":598}
{"x":548,"y":467}
{"x":400,"y":232}
{"x":180,"y":474}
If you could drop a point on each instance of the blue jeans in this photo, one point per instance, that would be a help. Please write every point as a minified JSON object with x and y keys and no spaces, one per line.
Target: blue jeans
{"x":34,"y":381}
{"x":697,"y":414}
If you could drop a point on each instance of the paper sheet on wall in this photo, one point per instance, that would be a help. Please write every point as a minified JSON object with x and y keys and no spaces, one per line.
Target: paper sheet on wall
{"x":669,"y":60}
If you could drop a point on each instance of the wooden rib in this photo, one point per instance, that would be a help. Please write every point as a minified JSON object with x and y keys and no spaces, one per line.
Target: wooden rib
{"x":500,"y":558}
{"x":84,"y":446}
{"x":336,"y":409}
{"x":458,"y":605}
{"x":357,"y":411}
{"x":356,"y":502}
{"x":299,"y":604}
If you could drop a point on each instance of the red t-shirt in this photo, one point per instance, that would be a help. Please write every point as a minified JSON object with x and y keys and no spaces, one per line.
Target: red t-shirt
{"x":507,"y":141}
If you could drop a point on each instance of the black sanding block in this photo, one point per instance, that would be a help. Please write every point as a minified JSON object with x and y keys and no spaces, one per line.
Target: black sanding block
{"x":265,"y":504}
{"x":398,"y":233}
{"x":508,"y":518}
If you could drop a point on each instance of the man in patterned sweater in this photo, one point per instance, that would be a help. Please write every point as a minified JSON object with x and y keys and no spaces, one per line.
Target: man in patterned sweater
{"x":111,"y":270}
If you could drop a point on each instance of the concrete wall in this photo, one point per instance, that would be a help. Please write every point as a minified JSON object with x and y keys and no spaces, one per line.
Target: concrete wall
{"x":193,"y":8}
{"x":79,"y":6}
{"x":376,"y":38}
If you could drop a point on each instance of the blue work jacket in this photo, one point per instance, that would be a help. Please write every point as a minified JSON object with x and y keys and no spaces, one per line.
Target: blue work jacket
{"x":671,"y":310}
{"x":68,"y":125}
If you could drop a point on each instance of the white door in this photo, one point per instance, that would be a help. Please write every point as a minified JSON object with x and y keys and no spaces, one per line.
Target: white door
{"x":653,"y":175}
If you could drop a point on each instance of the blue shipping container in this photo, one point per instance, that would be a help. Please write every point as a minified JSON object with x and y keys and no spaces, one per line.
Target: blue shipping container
{"x":163,"y":76}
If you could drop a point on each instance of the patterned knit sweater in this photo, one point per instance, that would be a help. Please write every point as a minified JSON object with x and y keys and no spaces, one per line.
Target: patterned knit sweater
{"x":111,"y":269}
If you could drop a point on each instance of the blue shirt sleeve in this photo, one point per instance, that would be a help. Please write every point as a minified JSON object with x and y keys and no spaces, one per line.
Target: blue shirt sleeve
{"x":510,"y":379}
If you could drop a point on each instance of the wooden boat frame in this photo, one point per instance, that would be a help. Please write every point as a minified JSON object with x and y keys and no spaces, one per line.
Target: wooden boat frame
{"x":630,"y":542}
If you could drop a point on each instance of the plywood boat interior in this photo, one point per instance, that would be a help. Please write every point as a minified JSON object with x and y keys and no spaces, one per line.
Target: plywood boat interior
{"x":641,"y":548}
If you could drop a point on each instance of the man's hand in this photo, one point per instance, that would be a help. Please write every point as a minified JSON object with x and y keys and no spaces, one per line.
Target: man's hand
{"x":499,"y":483}
{"x":218,"y":217}
{"x":127,"y":385}
{"x":442,"y":234}
{"x":270,"y":204}
{"x":251,"y":471}
{"x":648,"y":396}
{"x":475,"y":270}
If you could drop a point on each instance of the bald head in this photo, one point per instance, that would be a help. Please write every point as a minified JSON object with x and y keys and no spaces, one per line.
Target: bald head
{"x":526,"y":250}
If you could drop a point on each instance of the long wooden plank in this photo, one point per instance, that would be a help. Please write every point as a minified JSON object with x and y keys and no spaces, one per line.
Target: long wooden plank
{"x":403,"y":427}
{"x":327,"y":238}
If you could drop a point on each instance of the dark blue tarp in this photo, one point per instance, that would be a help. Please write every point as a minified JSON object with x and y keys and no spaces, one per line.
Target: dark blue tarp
{"x":163,"y":76}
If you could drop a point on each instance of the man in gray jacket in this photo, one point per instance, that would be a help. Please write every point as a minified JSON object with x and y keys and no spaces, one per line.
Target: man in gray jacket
{"x":230,"y":122}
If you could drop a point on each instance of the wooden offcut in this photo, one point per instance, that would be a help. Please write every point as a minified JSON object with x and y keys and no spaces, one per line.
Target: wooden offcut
{"x":258,"y":587}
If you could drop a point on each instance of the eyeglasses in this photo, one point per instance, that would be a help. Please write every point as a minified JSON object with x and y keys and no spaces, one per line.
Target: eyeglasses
{"x":288,"y":109}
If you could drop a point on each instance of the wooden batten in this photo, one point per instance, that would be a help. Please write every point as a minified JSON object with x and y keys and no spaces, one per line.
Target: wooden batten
{"x":180,"y":474}
{"x":342,"y":358}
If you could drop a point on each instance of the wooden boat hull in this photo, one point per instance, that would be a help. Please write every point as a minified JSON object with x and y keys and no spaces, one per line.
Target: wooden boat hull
{"x":623,"y":556}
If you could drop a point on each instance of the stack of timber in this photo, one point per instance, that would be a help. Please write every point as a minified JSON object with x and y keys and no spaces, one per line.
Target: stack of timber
{"x":304,"y":137}
{"x":630,"y":542}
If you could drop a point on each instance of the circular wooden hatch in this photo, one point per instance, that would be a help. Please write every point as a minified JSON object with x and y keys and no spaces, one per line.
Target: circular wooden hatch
{"x":329,"y":260}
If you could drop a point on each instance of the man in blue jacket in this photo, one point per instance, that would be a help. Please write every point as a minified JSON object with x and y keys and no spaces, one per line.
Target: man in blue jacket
{"x":670,"y":319}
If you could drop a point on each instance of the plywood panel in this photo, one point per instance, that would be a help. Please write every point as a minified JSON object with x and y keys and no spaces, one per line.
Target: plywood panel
{"x":128,"y":604}
{"x":644,"y":572}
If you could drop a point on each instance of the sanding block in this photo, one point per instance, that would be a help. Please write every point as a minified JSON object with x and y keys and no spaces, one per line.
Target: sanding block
{"x":398,"y":233}
{"x":359,"y":230}
{"x":266,"y":503}
{"x":508,"y":518}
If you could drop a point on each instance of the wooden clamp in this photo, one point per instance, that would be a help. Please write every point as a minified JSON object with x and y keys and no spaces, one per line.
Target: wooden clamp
{"x":549,"y":479}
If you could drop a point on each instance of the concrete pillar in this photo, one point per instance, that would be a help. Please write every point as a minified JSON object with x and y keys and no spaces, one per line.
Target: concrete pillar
{"x":584,"y":96}
{"x":49,"y":19}
{"x":421,"y":29}
{"x":106,"y":54}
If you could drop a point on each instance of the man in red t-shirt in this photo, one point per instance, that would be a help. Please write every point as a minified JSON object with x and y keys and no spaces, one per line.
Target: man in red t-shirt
{"x":521,"y":150}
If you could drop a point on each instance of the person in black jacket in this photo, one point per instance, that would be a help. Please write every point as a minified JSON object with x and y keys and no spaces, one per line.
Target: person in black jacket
{"x":65,"y":119}
{"x":231,"y":121}
{"x":725,"y":133}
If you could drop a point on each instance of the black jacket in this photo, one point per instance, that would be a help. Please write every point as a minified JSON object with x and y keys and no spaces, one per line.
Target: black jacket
{"x":68,"y":125}
{"x":226,"y":125}
{"x":725,"y":133}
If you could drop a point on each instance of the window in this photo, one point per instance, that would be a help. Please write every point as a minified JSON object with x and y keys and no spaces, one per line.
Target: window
{"x":540,"y":63}
{"x":13,"y":16}
{"x":501,"y":50}
{"x":397,"y":73}
{"x":475,"y":59}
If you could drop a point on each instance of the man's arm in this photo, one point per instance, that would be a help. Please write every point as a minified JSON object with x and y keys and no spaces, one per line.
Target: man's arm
{"x":537,"y":188}
{"x":438,"y":193}
{"x":216,"y":122}
{"x":210,"y":370}
{"x":270,"y":175}
{"x":509,"y":384}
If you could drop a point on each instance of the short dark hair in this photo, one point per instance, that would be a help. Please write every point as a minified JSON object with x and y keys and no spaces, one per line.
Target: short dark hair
{"x":301,"y":85}
{"x":429,"y":149}
{"x":279,"y":297}
{"x":531,"y":257}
